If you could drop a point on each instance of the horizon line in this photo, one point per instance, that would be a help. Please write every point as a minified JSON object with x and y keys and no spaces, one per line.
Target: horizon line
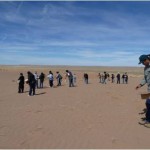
{"x":36,"y":65}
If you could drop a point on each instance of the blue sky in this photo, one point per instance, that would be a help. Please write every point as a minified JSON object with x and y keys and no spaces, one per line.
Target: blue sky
{"x":74,"y":33}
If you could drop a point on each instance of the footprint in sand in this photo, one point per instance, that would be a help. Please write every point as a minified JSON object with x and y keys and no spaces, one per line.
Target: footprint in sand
{"x":38,"y":129}
{"x":114,"y":140}
{"x":23,"y":142}
{"x":38,"y":111}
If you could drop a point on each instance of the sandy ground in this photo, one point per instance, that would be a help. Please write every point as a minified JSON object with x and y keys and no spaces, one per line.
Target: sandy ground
{"x":86,"y":116}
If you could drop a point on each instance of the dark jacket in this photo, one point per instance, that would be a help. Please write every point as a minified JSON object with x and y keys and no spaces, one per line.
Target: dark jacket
{"x":21,"y":80}
{"x":31,"y":79}
{"x":41,"y":77}
{"x":86,"y":76}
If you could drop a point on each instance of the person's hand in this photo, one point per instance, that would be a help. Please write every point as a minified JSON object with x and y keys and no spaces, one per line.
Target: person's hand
{"x":138,"y":86}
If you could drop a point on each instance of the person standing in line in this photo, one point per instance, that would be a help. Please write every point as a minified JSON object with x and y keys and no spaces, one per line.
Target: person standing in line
{"x":105,"y":78}
{"x":108,"y":76}
{"x":21,"y":83}
{"x":126,"y":78}
{"x":51,"y":79}
{"x":123,"y":78}
{"x":112,"y":78}
{"x":41,"y":77}
{"x":70,"y":78}
{"x":86,"y":78}
{"x":145,"y":60}
{"x":100,"y":78}
{"x":32,"y":83}
{"x":59,"y":78}
{"x":36,"y":78}
{"x":118,"y":78}
{"x":74,"y":78}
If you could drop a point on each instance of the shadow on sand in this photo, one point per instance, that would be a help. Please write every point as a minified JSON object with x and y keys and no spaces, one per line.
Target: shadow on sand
{"x":143,"y":111}
{"x":41,"y":93}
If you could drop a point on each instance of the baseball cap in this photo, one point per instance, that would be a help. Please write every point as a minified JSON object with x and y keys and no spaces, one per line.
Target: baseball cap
{"x":142,"y":58}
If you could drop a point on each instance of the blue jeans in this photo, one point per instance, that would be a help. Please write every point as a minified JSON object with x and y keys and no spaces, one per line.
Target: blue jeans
{"x":37,"y":86}
{"x":51,"y":83}
{"x":86,"y":80}
{"x":41,"y":84}
{"x":32,"y":89}
{"x":148,"y":110}
{"x":71,"y":82}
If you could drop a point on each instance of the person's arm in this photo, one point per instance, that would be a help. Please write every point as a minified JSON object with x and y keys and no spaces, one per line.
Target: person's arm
{"x":139,"y":86}
{"x":143,"y":82}
{"x":19,"y":78}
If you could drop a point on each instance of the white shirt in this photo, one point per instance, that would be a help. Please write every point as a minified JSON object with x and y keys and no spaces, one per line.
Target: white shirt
{"x":50,"y":76}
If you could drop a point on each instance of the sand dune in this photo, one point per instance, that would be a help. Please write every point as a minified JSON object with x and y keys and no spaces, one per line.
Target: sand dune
{"x":85,"y":116}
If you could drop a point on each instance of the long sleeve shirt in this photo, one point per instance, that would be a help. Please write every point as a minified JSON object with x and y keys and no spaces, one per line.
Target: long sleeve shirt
{"x":146,"y":79}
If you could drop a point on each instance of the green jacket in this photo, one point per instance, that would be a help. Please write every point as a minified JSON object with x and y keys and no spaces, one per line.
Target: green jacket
{"x":146,"y":77}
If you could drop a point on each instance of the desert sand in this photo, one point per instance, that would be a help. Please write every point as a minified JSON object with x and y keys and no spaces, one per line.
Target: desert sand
{"x":93,"y":116}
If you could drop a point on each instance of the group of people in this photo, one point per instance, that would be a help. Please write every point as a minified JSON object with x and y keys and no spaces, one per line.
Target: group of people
{"x":36,"y":81}
{"x":33,"y":82}
{"x":103,"y":78}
